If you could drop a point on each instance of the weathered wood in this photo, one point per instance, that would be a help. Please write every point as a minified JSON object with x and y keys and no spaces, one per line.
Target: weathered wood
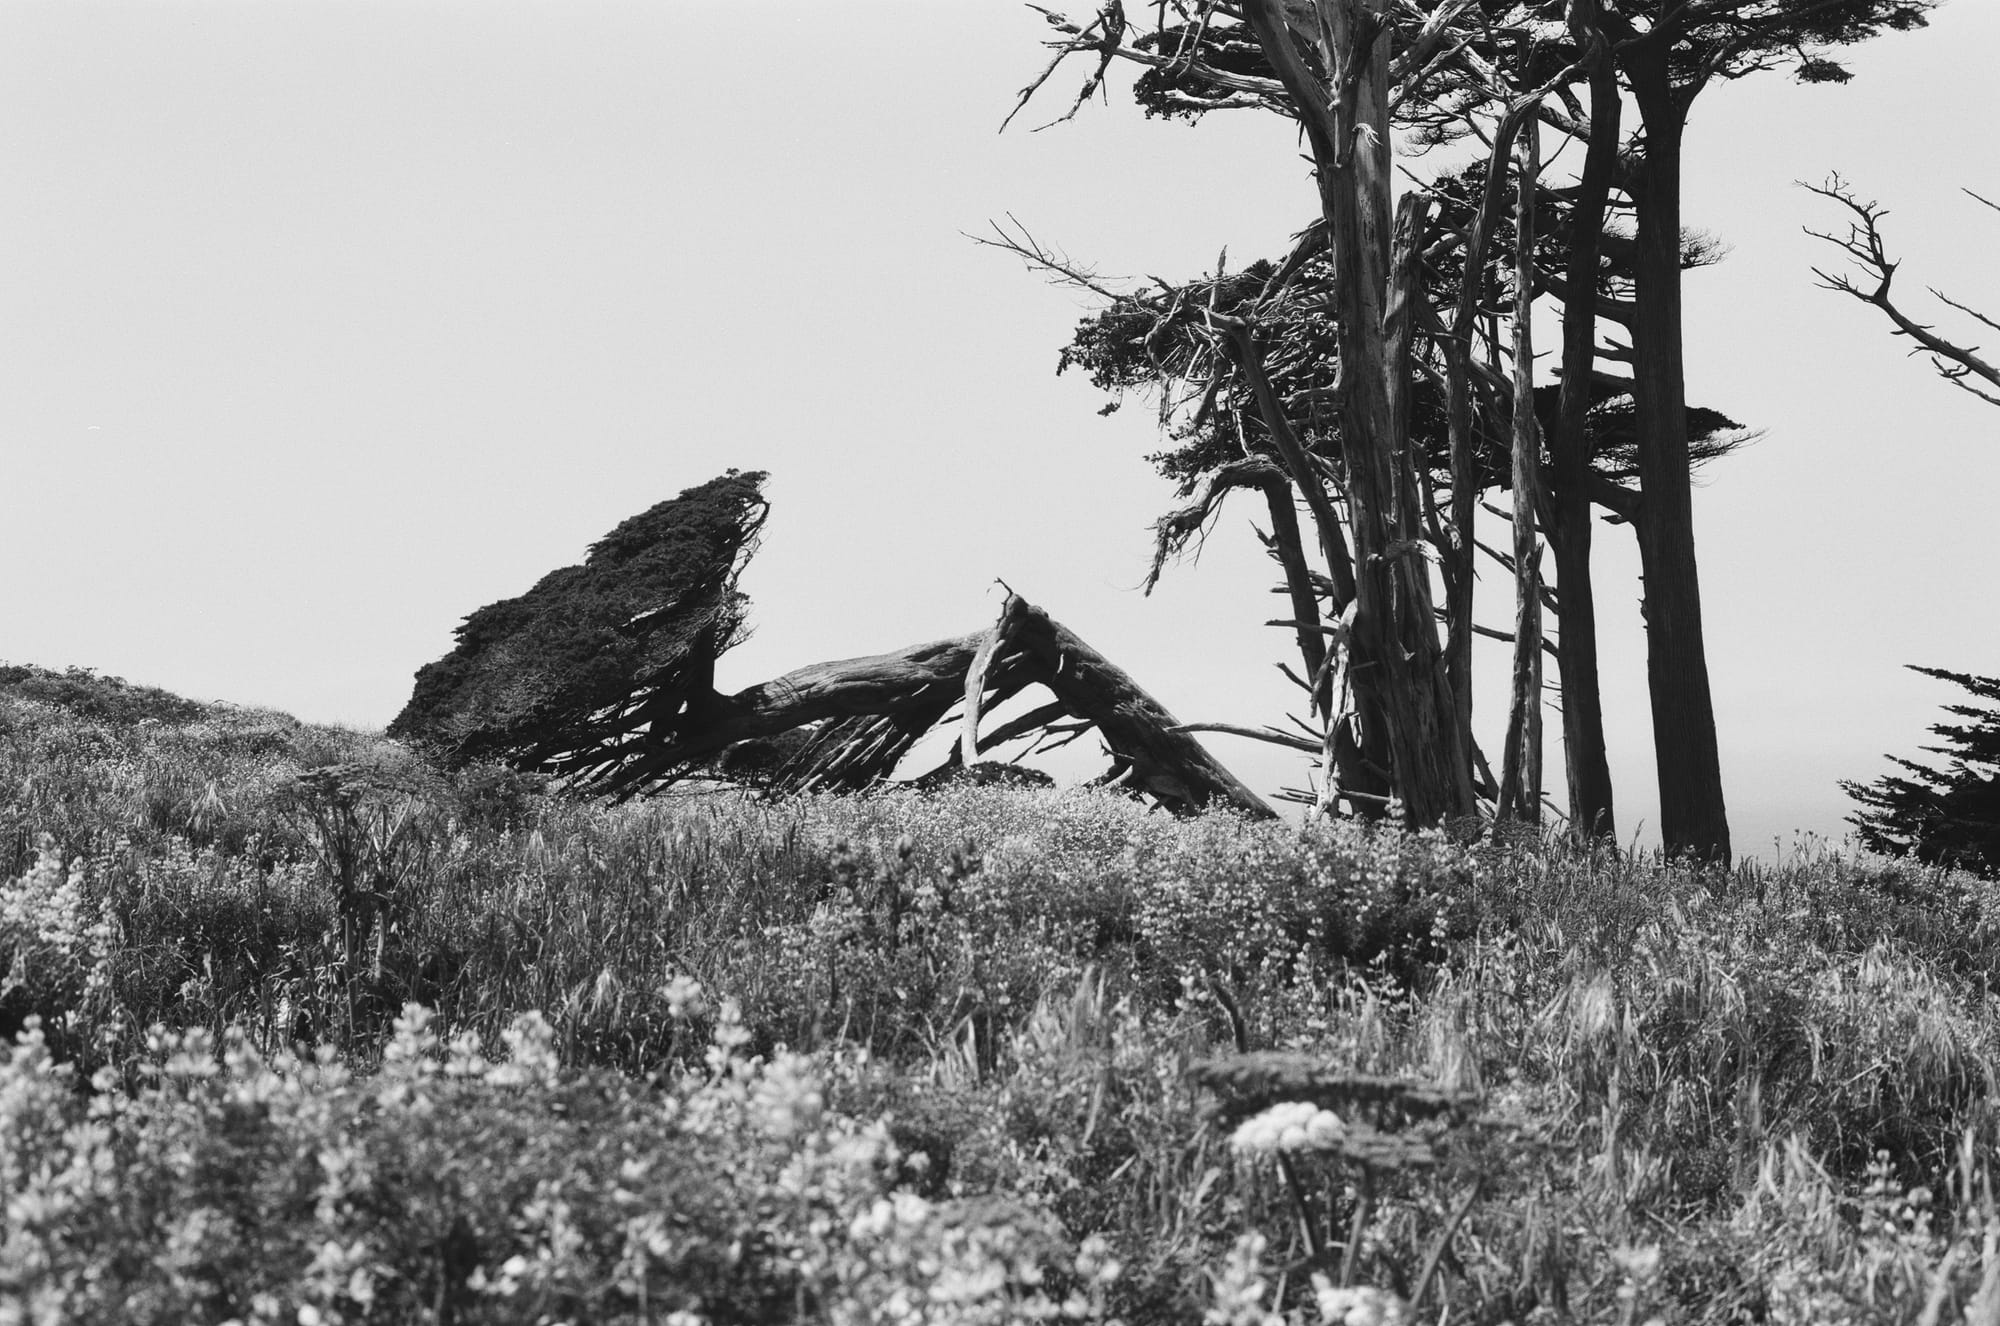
{"x":604,"y":673}
{"x":1521,"y":760}
{"x":975,"y":695}
{"x":924,"y":681}
{"x":874,"y":709}
{"x":1168,"y":765}
{"x":1344,"y":109}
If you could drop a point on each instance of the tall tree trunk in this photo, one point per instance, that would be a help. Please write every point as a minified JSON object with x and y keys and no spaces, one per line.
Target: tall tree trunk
{"x":1692,"y":817}
{"x":1397,"y":663}
{"x":1521,"y":761}
{"x":1570,"y":528}
{"x":1456,"y":341}
{"x":1355,"y":767}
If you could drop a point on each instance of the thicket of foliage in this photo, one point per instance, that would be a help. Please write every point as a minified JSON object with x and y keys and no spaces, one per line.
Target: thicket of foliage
{"x":550,"y":677}
{"x":304,"y":1031}
{"x":1948,"y":816}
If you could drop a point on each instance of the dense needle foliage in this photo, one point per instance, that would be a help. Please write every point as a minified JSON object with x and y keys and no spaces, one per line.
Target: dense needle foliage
{"x":548,"y":677}
{"x":1948,"y":816}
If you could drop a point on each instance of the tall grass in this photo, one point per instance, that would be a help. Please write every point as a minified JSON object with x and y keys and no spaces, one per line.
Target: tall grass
{"x":1114,"y":1064}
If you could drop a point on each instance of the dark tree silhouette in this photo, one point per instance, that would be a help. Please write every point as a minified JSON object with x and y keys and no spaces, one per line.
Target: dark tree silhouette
{"x":567,"y":675}
{"x":1341,"y":69}
{"x":1346,"y":69}
{"x":1163,"y":342}
{"x":1947,"y":816}
{"x":604,"y":674}
{"x":1667,"y":52}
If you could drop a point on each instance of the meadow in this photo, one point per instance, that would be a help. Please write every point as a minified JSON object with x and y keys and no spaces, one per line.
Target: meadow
{"x":299,"y":1029}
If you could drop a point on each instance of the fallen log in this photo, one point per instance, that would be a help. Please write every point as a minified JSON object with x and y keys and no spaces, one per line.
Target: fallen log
{"x":873,"y":710}
{"x":603,"y":674}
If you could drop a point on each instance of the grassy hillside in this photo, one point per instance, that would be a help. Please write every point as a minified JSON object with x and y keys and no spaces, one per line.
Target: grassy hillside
{"x":303,"y":1031}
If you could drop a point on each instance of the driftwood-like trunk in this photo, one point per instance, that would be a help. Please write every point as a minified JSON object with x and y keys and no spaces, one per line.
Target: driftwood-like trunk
{"x":1521,"y":763}
{"x":1397,"y":664}
{"x":1163,"y":762}
{"x":871,"y":711}
{"x":604,"y":675}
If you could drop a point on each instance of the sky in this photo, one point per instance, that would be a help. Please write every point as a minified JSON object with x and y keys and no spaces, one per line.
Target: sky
{"x":323,"y":324}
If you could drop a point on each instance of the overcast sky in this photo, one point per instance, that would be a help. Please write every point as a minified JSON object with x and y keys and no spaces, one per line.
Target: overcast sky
{"x":323,"y":324}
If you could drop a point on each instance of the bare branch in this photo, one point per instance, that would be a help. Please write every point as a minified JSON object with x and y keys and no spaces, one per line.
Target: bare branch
{"x":1032,"y":251}
{"x":1272,"y":735}
{"x":1172,"y":531}
{"x":1863,"y":243}
{"x":1507,"y":638}
{"x":1080,"y":41}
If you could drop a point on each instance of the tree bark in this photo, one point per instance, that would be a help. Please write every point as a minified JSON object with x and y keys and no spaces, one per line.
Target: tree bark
{"x":1397,"y":663}
{"x":1693,"y":820}
{"x":1588,"y":770}
{"x":1167,"y":764}
{"x":1521,"y":761}
{"x":873,"y":709}
{"x":1356,"y":764}
{"x":1289,"y":550}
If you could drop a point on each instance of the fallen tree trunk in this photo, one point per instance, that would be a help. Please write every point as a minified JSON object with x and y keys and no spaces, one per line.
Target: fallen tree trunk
{"x":1166,"y":763}
{"x":604,"y":675}
{"x":871,"y":711}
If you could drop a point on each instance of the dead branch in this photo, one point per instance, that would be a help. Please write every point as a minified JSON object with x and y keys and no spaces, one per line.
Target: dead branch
{"x":1866,"y":249}
{"x":1173,"y":531}
{"x":1032,"y":251}
{"x":1271,"y":735}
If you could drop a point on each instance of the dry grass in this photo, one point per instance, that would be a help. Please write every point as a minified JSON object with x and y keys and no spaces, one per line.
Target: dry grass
{"x":1689,"y":1097}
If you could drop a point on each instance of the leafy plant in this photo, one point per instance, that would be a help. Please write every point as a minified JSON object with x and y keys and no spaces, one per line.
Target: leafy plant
{"x":1949,"y":816}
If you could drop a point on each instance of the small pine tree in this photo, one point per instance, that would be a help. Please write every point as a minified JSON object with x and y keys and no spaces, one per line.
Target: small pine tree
{"x":1950,"y":816}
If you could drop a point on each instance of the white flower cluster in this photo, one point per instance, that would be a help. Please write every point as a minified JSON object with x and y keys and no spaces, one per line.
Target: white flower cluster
{"x":1237,"y":1289}
{"x":1358,"y":1305}
{"x":532,"y":1059}
{"x":685,"y":997}
{"x":47,"y":932}
{"x":786,"y":1099}
{"x":830,"y":1213}
{"x":1292,"y":1125}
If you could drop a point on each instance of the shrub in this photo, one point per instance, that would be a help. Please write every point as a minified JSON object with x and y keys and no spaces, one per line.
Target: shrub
{"x":1944,"y":817}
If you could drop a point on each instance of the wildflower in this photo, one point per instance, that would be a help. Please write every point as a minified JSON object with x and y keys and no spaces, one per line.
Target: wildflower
{"x":730,"y":1035}
{"x":1358,"y":1305}
{"x":462,"y":1056}
{"x":1239,"y":1287}
{"x":414,"y":1040}
{"x":1094,"y":1262}
{"x":531,"y":1052}
{"x":787,"y":1096}
{"x":1641,"y":1264}
{"x":1292,"y":1125}
{"x":684,"y":997}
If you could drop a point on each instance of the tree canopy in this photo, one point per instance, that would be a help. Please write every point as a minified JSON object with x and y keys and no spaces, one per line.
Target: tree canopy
{"x":1949,"y":816}
{"x":559,"y":675}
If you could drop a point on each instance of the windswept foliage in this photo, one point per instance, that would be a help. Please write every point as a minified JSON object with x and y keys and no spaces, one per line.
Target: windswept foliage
{"x":559,"y":675}
{"x":1949,"y":816}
